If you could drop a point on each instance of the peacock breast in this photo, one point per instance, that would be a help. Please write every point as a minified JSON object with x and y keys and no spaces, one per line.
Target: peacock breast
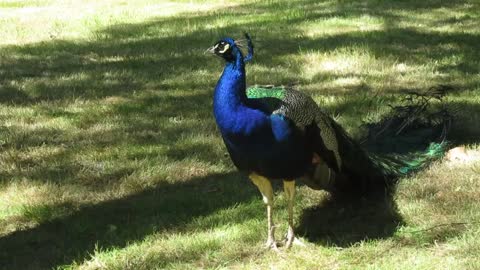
{"x":263,"y":153}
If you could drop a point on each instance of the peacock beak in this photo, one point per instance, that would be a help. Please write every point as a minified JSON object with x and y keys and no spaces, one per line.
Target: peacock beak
{"x":210,"y":50}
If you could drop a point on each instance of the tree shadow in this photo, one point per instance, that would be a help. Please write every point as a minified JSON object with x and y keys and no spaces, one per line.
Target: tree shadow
{"x":142,"y":64}
{"x":128,"y":58}
{"x":118,"y":222}
{"x":464,"y":128}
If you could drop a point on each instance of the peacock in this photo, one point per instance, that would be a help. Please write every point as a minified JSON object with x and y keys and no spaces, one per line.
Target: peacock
{"x":278,"y":133}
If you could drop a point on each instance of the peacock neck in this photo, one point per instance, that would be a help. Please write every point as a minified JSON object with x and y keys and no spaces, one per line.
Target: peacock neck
{"x":230,"y":93}
{"x":230,"y":108}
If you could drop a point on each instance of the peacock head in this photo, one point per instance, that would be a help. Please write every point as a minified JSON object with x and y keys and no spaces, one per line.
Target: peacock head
{"x":225,"y":48}
{"x":229,"y":49}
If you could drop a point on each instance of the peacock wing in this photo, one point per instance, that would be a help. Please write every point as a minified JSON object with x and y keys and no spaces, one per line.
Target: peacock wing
{"x":265,"y":98}
{"x":304,"y":113}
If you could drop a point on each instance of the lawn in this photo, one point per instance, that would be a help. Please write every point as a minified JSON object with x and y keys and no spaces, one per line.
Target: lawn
{"x":110,"y":157}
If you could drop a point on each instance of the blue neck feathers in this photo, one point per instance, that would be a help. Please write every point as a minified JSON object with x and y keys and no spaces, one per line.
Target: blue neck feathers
{"x":231,"y":113}
{"x":230,"y":89}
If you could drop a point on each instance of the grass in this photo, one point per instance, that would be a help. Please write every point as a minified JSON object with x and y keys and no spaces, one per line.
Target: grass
{"x":110,"y":158}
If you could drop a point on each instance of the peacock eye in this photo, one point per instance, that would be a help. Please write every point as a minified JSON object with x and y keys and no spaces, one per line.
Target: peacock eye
{"x":223,"y":48}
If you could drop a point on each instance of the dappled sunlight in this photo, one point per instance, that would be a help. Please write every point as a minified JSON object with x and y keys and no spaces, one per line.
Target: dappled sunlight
{"x":174,"y":8}
{"x":153,"y":214}
{"x":30,"y":203}
{"x":348,"y":82}
{"x":345,"y":65}
{"x":59,"y":123}
{"x":93,"y":138}
{"x":22,"y":193}
{"x":75,"y":19}
{"x":110,"y":156}
{"x":442,"y":20}
{"x":337,"y":25}
{"x":359,"y":68}
{"x":183,"y":249}
{"x":441,"y":199}
{"x":318,"y":64}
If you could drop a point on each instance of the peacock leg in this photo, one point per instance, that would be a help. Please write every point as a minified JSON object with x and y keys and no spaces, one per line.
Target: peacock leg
{"x":265,"y":187}
{"x":289,"y":188}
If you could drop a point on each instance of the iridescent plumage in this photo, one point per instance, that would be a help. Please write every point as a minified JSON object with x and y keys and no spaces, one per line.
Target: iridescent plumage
{"x":281,"y":133}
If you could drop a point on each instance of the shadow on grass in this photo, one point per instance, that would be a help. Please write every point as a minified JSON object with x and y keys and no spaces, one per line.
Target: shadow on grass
{"x":118,"y":222}
{"x":158,"y":57}
{"x":347,"y":218}
{"x":141,"y":63}
{"x":126,"y":58}
{"x":465,"y":130}
{"x":343,"y":221}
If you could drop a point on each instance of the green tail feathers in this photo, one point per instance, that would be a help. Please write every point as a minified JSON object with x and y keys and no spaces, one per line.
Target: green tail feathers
{"x":433,"y":152}
{"x":399,"y":165}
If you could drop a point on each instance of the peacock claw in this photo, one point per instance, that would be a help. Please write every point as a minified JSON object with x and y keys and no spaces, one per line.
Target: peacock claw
{"x":291,"y":240}
{"x":272,"y":245}
{"x":289,"y":237}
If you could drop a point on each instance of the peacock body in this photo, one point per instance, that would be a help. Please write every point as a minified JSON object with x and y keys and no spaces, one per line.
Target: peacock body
{"x":281,"y":133}
{"x":264,"y":141}
{"x":347,"y":164}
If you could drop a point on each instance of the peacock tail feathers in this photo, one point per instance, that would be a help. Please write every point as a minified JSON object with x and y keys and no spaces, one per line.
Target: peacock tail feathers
{"x":405,"y":141}
{"x":420,"y":160}
{"x":412,"y":135}
{"x":399,"y":165}
{"x":408,"y":139}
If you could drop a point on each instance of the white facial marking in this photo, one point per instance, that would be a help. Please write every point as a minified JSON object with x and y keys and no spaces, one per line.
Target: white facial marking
{"x":225,"y":48}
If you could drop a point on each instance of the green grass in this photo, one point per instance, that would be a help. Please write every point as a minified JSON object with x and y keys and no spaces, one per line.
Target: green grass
{"x":110,"y":158}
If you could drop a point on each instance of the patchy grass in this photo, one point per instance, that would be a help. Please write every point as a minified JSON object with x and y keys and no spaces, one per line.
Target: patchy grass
{"x":110,"y":158}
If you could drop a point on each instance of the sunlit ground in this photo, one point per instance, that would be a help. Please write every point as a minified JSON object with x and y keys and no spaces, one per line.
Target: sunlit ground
{"x":110,"y":158}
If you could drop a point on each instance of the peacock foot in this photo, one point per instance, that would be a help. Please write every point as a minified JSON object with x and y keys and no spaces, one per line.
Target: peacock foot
{"x":271,"y":243}
{"x":291,"y":240}
{"x":290,"y":237}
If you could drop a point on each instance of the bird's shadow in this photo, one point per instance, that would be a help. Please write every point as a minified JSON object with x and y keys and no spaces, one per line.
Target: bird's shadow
{"x":343,"y":220}
{"x":347,"y":218}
